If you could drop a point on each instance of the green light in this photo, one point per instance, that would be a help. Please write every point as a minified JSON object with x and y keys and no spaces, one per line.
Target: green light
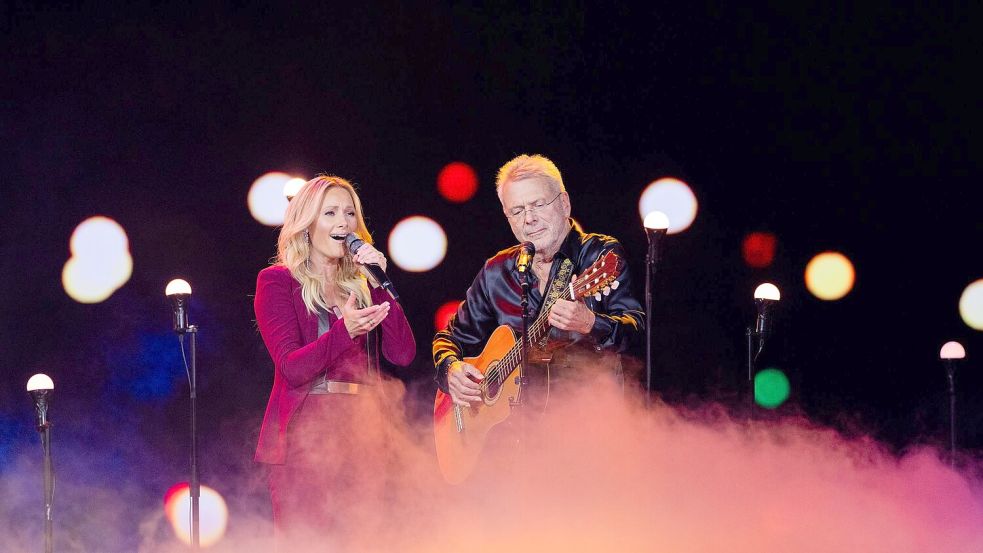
{"x":770,"y":388}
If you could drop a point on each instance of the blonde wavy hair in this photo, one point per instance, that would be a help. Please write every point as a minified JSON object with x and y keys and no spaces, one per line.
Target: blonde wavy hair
{"x":294,"y":247}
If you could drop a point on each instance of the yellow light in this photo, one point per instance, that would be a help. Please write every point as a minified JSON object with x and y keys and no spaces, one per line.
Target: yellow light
{"x":829,"y":276}
{"x":212,"y":510}
{"x":971,"y":305}
{"x":92,"y":279}
{"x":417,"y":244}
{"x":672,"y":197}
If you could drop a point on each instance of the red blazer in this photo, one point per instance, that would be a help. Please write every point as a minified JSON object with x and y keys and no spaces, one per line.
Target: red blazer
{"x":300,"y":356}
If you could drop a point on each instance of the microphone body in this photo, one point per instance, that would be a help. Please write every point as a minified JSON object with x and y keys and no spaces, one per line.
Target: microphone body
{"x":762,"y":326}
{"x":179,"y":308}
{"x":40,"y":398}
{"x":354,"y":243}
{"x":526,"y":252}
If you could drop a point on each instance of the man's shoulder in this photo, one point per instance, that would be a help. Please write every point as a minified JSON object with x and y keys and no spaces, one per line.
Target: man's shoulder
{"x":499,"y":259}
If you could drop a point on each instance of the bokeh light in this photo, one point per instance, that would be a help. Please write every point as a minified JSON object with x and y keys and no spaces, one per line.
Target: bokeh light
{"x":292,"y":187}
{"x":92,"y":280}
{"x":417,"y":244}
{"x":212,"y":510}
{"x":100,"y":263}
{"x":444,"y":313}
{"x":266,"y":201}
{"x":457,"y":182}
{"x":971,"y":305}
{"x":829,"y":276}
{"x":771,"y":388}
{"x":759,"y":249}
{"x":99,"y":237}
{"x":672,"y":197}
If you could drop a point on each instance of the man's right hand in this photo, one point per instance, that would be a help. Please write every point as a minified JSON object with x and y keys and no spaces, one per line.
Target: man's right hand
{"x":463,"y":383}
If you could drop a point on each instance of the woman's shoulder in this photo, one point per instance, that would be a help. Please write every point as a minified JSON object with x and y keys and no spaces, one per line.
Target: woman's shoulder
{"x":274,"y":273}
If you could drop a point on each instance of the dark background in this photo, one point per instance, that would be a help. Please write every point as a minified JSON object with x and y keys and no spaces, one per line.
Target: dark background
{"x":854,"y":130}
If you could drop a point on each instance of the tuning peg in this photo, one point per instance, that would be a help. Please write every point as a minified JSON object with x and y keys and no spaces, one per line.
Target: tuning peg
{"x":606,"y":291}
{"x":597,"y":296}
{"x":615,"y":284}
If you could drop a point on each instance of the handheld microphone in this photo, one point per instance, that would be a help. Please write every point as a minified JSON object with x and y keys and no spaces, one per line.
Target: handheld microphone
{"x":526,"y":251}
{"x":354,"y":243}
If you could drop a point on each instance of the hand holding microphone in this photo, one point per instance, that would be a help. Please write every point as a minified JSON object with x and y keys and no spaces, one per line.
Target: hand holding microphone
{"x":372,"y":262}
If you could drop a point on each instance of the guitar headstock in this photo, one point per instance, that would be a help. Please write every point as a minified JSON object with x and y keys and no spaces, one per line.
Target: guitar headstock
{"x":599,"y":278}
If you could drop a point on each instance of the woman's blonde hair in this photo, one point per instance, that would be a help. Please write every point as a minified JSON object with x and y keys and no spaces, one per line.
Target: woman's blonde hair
{"x":294,"y":246}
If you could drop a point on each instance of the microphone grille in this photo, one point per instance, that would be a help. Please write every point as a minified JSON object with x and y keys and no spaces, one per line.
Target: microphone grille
{"x":353,"y":242}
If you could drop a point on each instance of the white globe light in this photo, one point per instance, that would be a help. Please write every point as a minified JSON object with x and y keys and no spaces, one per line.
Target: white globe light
{"x":417,"y":244}
{"x":40,"y":382}
{"x":177,"y":286}
{"x":952,"y":350}
{"x":767,"y":291}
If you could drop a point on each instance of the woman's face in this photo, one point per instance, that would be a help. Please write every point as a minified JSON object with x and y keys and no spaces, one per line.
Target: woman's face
{"x":335,"y":220}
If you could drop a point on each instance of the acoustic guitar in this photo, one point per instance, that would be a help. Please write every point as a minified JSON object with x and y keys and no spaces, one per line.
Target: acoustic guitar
{"x":460,"y":432}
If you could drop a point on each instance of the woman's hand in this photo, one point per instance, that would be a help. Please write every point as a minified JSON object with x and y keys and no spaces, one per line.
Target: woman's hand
{"x":360,"y":321}
{"x":367,"y":255}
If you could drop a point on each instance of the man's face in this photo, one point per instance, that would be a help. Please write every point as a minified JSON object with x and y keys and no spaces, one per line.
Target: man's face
{"x":537,"y":212}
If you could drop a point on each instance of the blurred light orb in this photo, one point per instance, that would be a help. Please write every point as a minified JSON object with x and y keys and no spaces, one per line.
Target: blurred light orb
{"x":266,"y":201}
{"x":829,"y":276}
{"x":759,"y":249}
{"x":771,"y":388}
{"x":212,"y":510}
{"x":952,"y":350}
{"x":672,"y":197}
{"x":417,"y":244}
{"x":88,"y":279}
{"x":971,"y":305}
{"x":293,"y":186}
{"x":444,"y":314}
{"x":457,"y":182}
{"x":98,"y":236}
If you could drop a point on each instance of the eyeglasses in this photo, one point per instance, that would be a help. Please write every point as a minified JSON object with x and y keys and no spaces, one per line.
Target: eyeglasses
{"x":518,"y":211}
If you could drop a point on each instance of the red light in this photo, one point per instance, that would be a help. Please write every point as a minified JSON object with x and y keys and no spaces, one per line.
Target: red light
{"x":759,"y":249}
{"x":457,"y":182}
{"x":444,"y":314}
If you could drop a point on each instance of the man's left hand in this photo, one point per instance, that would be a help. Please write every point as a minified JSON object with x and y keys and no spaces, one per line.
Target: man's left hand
{"x":572,"y":315}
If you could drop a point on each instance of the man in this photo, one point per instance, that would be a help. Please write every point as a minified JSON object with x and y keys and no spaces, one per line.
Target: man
{"x":537,"y":207}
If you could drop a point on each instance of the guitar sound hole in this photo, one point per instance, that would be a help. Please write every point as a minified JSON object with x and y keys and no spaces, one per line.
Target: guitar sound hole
{"x":492,"y":389}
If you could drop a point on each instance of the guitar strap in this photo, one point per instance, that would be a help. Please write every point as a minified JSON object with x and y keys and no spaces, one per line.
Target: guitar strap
{"x":558,"y":288}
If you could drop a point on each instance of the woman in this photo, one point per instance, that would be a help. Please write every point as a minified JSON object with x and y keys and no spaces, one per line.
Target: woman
{"x":321,"y":316}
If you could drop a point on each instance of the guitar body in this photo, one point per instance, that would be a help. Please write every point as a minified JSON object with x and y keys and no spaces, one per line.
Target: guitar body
{"x":460,"y":432}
